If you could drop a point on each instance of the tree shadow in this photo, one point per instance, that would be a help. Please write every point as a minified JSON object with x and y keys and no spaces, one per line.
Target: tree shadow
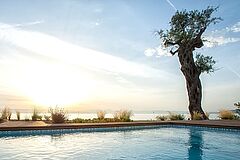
{"x":196,"y":144}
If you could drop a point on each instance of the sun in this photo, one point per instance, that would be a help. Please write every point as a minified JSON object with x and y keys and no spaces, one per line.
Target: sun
{"x":49,"y":84}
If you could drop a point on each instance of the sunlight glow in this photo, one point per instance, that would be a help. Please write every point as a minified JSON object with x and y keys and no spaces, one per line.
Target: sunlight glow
{"x":50,"y":71}
{"x":53,"y":85}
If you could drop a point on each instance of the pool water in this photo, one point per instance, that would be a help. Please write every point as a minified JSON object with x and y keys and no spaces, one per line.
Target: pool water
{"x":140,"y":143}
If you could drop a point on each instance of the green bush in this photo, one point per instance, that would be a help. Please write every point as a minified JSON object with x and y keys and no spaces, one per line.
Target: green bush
{"x":94,"y":120}
{"x":174,"y":116}
{"x":47,"y":118}
{"x":36,"y":115}
{"x":161,"y":118}
{"x":123,"y":115}
{"x":78,"y":120}
{"x":227,"y":115}
{"x":198,"y":116}
{"x":58,"y":115}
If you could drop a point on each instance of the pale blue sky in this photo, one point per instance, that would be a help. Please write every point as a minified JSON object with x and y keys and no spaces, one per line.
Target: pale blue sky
{"x":104,"y":55}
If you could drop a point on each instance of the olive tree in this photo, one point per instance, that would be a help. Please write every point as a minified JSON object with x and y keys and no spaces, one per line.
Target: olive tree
{"x":183,"y":38}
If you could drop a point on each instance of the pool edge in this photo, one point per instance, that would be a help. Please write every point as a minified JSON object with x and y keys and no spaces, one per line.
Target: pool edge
{"x":209,"y":124}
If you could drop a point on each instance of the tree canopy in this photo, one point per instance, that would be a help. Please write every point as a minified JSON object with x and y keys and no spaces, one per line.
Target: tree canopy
{"x":188,"y":26}
{"x":205,"y":63}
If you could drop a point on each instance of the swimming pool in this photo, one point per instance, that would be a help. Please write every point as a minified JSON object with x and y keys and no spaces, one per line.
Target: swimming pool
{"x":143,"y":142}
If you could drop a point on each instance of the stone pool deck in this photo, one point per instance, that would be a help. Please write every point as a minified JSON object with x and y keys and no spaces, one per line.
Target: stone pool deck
{"x":41,"y":125}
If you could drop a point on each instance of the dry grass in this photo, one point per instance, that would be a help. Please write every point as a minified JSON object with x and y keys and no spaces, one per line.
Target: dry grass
{"x":58,"y":115}
{"x":175,"y":117}
{"x":227,"y":114}
{"x":198,"y":116}
{"x":123,"y":115}
{"x":101,"y":115}
{"x":18,"y":115}
{"x":6,"y":113}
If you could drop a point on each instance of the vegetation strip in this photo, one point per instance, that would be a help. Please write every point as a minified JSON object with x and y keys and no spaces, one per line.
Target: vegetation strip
{"x":210,"y":124}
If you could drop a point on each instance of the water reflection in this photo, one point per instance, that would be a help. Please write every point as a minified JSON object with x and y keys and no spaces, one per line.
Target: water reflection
{"x":196,"y":143}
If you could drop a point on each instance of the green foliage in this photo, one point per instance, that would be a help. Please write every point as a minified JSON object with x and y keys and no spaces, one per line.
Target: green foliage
{"x":79,"y":120}
{"x":94,"y":120}
{"x":101,"y":115}
{"x":187,"y":25}
{"x":227,"y":115}
{"x":36,"y":115}
{"x":58,"y":115}
{"x":205,"y":63}
{"x":237,"y":105}
{"x":161,"y":118}
{"x":18,"y":115}
{"x":238,"y":108}
{"x":123,"y":115}
{"x":199,"y":116}
{"x":47,"y":118}
{"x":6,"y":113}
{"x":174,"y":116}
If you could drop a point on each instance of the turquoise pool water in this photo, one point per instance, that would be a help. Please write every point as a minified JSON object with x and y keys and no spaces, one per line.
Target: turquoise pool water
{"x":140,"y":143}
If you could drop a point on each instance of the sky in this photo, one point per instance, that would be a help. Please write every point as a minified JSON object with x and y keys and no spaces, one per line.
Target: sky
{"x":104,"y":55}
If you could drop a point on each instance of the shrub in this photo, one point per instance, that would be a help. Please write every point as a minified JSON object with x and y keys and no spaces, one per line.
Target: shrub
{"x":9,"y":115}
{"x":36,"y":115}
{"x":58,"y":115}
{"x":174,"y":116}
{"x":161,"y":118}
{"x":123,"y":115}
{"x":101,"y":115}
{"x":238,"y":108}
{"x":207,"y":114}
{"x":6,"y":113}
{"x":227,"y":114}
{"x":94,"y":120}
{"x":237,"y":105}
{"x":79,"y":120}
{"x":47,"y":118}
{"x":18,"y":115}
{"x":198,"y":116}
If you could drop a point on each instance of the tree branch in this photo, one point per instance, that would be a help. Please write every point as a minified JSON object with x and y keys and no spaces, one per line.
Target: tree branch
{"x":201,"y":32}
{"x":167,"y":43}
{"x":173,"y":53}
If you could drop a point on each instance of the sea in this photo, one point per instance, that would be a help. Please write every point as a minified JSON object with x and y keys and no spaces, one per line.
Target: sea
{"x":135,"y":116}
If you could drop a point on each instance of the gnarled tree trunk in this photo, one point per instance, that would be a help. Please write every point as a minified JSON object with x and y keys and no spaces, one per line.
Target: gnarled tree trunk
{"x":191,"y":74}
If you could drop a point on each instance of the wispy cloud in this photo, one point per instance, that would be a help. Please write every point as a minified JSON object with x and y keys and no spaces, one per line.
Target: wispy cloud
{"x":213,"y":39}
{"x":233,"y":71}
{"x":6,"y":26}
{"x":149,"y":52}
{"x":234,"y":28}
{"x":218,"y":41}
{"x":77,"y":71}
{"x":171,"y":4}
{"x":223,"y":36}
{"x":157,"y":51}
{"x":53,"y":47}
